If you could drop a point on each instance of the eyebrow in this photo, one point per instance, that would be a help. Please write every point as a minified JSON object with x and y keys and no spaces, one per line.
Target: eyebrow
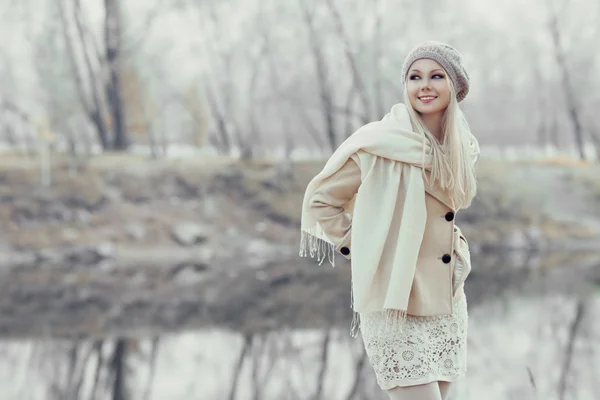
{"x":416,"y":70}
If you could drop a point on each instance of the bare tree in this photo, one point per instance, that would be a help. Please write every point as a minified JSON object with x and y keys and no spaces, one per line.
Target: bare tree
{"x":323,"y":362}
{"x":542,"y":131}
{"x":118,"y":368}
{"x":268,"y":52}
{"x":378,"y":20}
{"x":559,"y":54}
{"x":100,"y":363}
{"x":222,"y":141}
{"x":595,"y":137}
{"x":246,"y":348}
{"x":98,"y":77}
{"x":23,"y":121}
{"x":568,"y":359}
{"x":113,"y":40}
{"x":359,"y":87}
{"x":153,"y":357}
{"x":85,"y":76}
{"x":325,"y":86}
{"x":220,"y":62}
{"x":254,"y":128}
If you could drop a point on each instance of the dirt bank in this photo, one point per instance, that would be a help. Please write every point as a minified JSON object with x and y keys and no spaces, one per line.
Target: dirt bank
{"x":123,"y":204}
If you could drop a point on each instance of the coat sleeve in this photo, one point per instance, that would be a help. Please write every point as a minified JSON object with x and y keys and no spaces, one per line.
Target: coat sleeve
{"x":326,"y":205}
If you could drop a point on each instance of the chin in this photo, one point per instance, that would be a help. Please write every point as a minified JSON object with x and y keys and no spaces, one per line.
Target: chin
{"x":435,"y":110}
{"x":427,"y":110}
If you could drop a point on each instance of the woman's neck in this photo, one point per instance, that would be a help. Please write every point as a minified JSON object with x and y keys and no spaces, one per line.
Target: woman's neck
{"x":433,"y":122}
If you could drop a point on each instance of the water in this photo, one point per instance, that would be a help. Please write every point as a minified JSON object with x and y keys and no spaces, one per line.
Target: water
{"x":533,"y":329}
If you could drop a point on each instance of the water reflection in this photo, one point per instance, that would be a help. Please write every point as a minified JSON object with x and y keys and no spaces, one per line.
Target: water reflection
{"x":285,"y":335}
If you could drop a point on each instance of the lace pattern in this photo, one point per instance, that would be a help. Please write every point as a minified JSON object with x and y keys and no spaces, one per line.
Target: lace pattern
{"x":427,"y":349}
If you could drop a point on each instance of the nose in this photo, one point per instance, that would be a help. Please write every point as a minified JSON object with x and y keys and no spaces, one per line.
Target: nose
{"x":425,"y":85}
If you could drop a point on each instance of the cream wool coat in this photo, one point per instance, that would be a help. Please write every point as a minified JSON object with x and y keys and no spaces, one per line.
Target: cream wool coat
{"x":443,"y":262}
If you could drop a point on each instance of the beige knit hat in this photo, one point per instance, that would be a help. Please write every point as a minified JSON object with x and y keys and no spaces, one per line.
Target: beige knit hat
{"x":448,"y":57}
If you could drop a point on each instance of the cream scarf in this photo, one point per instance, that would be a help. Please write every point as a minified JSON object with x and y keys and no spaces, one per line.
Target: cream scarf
{"x":371,"y":212}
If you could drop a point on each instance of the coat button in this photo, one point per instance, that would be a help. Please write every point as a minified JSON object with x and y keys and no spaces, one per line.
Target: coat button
{"x":345,"y":251}
{"x":446,"y":258}
{"x":449,"y":216}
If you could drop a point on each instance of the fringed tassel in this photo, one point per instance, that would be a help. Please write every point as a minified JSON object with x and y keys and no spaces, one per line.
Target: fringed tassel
{"x":355,"y":325}
{"x":311,"y":244}
{"x":383,"y":323}
{"x":394,"y":320}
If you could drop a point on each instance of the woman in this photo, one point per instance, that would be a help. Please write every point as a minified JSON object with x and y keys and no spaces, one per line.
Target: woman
{"x":387,"y":200}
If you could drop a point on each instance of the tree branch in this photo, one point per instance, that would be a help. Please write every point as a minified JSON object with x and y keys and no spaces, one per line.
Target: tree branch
{"x":573,"y":332}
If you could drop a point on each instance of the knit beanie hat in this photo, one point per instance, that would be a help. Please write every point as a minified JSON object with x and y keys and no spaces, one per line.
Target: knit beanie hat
{"x":445,"y":55}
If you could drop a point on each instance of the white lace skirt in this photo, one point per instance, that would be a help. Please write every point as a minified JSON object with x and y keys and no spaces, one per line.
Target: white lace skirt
{"x":428,"y":349}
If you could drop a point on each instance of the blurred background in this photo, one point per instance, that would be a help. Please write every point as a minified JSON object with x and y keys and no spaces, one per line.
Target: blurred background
{"x":153,"y":159}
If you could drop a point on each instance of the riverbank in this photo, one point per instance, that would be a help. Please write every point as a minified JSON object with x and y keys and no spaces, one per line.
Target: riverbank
{"x":120,"y":206}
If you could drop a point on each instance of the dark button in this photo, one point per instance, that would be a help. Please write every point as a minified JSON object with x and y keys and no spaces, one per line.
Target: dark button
{"x":446,"y":258}
{"x":345,"y":251}
{"x":449,"y":216}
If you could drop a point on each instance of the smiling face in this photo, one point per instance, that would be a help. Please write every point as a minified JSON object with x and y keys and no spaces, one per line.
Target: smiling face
{"x":428,"y":90}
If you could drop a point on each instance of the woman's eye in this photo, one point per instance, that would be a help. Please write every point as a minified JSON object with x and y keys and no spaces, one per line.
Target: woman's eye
{"x":439,"y":76}
{"x":414,"y":77}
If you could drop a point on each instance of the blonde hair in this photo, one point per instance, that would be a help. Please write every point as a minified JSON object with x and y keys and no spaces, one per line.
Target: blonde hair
{"x":452,"y":167}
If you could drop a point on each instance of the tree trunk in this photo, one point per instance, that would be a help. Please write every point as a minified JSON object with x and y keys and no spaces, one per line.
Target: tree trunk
{"x":222,"y":139}
{"x":324,"y":361}
{"x":357,"y":79}
{"x":595,"y":137}
{"x":92,"y":107}
{"x":553,"y":132}
{"x":254,"y":126}
{"x":98,"y":345}
{"x":149,"y":126}
{"x":267,"y":53}
{"x":246,"y":348}
{"x":569,"y":97}
{"x":380,"y":108}
{"x":8,"y":107}
{"x":568,"y":357}
{"x":119,"y":391}
{"x":112,"y":31}
{"x":153,"y":357}
{"x":245,"y":145}
{"x":542,"y":123}
{"x":325,"y":89}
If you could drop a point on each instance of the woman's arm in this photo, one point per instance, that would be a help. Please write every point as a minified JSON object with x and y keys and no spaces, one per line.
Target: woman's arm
{"x":327,"y":203}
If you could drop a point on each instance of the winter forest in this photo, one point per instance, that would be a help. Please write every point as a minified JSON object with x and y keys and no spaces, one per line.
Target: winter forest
{"x":153,"y":159}
{"x":253,"y":77}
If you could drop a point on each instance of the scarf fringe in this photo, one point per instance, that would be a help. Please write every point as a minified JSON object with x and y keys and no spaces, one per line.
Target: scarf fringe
{"x":355,"y":324}
{"x":383,"y":323}
{"x":395,"y":320}
{"x":314,"y":246}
